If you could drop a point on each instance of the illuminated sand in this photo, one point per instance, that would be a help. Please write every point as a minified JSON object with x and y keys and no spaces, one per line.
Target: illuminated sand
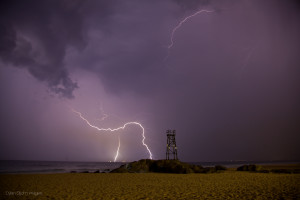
{"x":227,"y":185}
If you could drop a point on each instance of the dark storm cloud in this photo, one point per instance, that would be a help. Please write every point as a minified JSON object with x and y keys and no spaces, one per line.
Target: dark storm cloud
{"x":129,"y":50}
{"x":35,"y":35}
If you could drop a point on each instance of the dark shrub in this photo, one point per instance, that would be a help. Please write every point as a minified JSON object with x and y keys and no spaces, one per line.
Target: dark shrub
{"x":263,"y":171}
{"x":209,"y":170}
{"x":119,"y":170}
{"x":220,"y":167}
{"x":282,"y":171}
{"x":242,"y":168}
{"x":251,"y":168}
{"x":197,"y":168}
{"x":170,"y":166}
{"x":139,"y":166}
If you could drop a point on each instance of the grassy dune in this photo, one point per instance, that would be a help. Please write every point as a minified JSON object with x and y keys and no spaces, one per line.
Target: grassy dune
{"x":227,"y":185}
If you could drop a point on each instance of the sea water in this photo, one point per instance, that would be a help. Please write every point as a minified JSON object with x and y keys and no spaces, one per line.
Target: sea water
{"x":49,"y":167}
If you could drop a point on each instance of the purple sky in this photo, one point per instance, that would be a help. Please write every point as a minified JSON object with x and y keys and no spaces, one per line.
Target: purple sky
{"x":230,"y":85}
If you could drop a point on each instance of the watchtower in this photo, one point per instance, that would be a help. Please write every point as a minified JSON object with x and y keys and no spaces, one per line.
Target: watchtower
{"x":171,"y":145}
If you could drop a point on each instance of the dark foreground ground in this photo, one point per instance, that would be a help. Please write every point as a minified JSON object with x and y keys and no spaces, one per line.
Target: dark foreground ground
{"x":229,"y":184}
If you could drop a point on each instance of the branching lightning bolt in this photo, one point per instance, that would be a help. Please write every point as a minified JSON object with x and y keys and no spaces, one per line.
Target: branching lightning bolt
{"x":179,"y":25}
{"x":117,"y":129}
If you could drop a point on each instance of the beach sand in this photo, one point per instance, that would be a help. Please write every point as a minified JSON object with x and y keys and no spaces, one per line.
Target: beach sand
{"x":226,"y":185}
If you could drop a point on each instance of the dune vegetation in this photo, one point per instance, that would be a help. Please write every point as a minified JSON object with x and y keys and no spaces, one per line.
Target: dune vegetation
{"x":165,"y":166}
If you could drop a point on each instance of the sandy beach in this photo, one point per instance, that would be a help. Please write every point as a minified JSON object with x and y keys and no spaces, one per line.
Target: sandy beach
{"x":227,"y":185}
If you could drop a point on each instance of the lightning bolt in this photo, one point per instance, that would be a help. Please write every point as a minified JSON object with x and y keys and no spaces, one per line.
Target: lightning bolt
{"x":179,"y":25}
{"x":117,"y":154}
{"x":117,"y":129}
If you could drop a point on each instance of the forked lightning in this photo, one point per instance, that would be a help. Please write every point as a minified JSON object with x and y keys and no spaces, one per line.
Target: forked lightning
{"x":117,"y":129}
{"x":179,"y":25}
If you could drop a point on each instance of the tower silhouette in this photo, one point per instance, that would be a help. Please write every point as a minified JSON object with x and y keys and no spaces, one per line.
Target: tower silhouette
{"x":171,"y":145}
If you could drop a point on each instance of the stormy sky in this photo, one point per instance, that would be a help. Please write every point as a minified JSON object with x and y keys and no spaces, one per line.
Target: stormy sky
{"x":229,"y":84}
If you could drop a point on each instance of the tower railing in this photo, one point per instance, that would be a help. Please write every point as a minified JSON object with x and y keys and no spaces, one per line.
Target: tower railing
{"x":171,"y":152}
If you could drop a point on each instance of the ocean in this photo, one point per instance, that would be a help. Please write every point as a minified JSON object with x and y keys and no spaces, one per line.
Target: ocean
{"x":49,"y":167}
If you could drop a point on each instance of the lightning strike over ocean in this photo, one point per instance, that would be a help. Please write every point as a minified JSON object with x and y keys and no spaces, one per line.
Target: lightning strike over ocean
{"x":117,"y":129}
{"x":179,"y":25}
{"x":117,"y":154}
